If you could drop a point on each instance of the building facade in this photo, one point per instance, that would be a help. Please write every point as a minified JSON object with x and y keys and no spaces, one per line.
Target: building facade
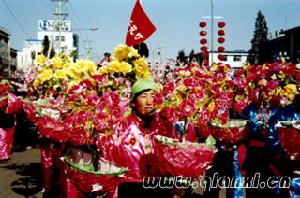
{"x":62,"y":41}
{"x":8,"y":55}
{"x":286,"y":44}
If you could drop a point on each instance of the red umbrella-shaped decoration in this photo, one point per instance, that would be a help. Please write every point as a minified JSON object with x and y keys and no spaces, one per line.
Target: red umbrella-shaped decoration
{"x":203,"y":41}
{"x":185,"y":159}
{"x":87,"y":179}
{"x":289,"y":138}
{"x":232,"y":132}
{"x":221,"y":39}
{"x":202,"y":24}
{"x":52,"y":129}
{"x":203,"y":33}
{"x":221,"y":24}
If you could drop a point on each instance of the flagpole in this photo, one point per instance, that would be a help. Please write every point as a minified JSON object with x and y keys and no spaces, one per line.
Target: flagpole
{"x":212,"y":32}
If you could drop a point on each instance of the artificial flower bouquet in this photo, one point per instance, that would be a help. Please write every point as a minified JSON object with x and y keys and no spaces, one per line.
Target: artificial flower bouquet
{"x":205,"y":97}
{"x":102,"y":180}
{"x":289,"y":138}
{"x":182,"y":158}
{"x":270,"y":84}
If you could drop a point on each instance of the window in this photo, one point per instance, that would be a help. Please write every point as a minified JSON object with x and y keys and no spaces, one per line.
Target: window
{"x":62,"y":38}
{"x":237,"y":58}
{"x":57,"y":38}
{"x":225,"y":58}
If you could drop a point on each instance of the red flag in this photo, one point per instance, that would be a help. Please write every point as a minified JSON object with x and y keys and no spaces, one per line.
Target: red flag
{"x":140,"y":27}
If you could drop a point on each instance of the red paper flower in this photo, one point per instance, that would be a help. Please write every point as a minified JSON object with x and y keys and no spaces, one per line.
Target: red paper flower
{"x":168,"y":88}
{"x":77,"y":89}
{"x":239,"y":72}
{"x":240,"y":83}
{"x":187,"y":107}
{"x":87,"y":83}
{"x":224,"y":117}
{"x":171,"y":114}
{"x":272,"y":85}
{"x":190,"y":82}
{"x":92,"y":100}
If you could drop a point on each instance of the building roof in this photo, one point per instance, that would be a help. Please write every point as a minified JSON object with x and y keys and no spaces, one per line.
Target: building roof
{"x":294,"y":29}
{"x":4,"y":32}
{"x":231,"y":52}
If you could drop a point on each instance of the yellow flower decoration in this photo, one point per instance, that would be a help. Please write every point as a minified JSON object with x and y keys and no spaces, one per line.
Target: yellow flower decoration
{"x":41,"y":59}
{"x":133,"y":53}
{"x":291,"y":88}
{"x":60,"y":74}
{"x":124,"y":68}
{"x":45,"y":75}
{"x":147,"y":75}
{"x":114,"y":66}
{"x":121,"y":52}
{"x":71,"y":72}
{"x":36,"y":83}
{"x":57,"y":62}
{"x":211,"y":106}
{"x":103,"y":70}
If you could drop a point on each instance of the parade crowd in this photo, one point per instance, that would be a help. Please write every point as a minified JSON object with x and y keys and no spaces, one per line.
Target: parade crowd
{"x":115,"y":128}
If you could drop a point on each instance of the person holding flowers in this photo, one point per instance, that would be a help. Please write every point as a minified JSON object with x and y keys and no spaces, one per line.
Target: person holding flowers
{"x":134,"y":144}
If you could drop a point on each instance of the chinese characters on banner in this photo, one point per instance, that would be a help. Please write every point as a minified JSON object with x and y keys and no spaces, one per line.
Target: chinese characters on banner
{"x":140,"y":27}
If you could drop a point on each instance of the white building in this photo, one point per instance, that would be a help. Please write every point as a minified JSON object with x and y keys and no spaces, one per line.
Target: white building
{"x":63,"y":41}
{"x":236,"y":59}
{"x":31,"y":48}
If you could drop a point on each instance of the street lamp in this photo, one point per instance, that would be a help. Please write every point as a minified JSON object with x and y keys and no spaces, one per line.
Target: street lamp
{"x":91,"y":29}
{"x":87,"y":41}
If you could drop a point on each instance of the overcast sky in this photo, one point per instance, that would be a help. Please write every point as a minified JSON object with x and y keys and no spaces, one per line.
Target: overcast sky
{"x":176,"y":21}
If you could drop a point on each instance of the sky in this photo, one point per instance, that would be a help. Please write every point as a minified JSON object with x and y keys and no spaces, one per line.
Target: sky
{"x":176,"y":22}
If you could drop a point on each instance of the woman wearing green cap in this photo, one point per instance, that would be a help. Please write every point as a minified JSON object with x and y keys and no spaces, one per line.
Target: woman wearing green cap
{"x":144,"y":123}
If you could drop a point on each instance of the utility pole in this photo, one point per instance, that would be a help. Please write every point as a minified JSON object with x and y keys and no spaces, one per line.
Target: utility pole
{"x":159,"y":54}
{"x":212,"y":17}
{"x":212,"y":31}
{"x":88,"y":47}
{"x":58,"y":22}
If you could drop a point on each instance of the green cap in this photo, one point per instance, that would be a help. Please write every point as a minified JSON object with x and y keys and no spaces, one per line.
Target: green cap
{"x":143,"y":84}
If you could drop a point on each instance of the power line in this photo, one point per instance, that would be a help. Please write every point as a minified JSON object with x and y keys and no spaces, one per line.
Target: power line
{"x":15,"y":18}
{"x":78,"y":19}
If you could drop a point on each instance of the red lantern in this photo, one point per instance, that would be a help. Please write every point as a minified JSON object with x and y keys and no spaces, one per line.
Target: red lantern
{"x":203,"y":33}
{"x":202,"y":24}
{"x":221,"y":24}
{"x":205,"y":62}
{"x":203,"y":48}
{"x":220,"y":57}
{"x":221,"y":39}
{"x":221,"y":32}
{"x":203,"y":41}
{"x":221,"y":49}
{"x":204,"y":54}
